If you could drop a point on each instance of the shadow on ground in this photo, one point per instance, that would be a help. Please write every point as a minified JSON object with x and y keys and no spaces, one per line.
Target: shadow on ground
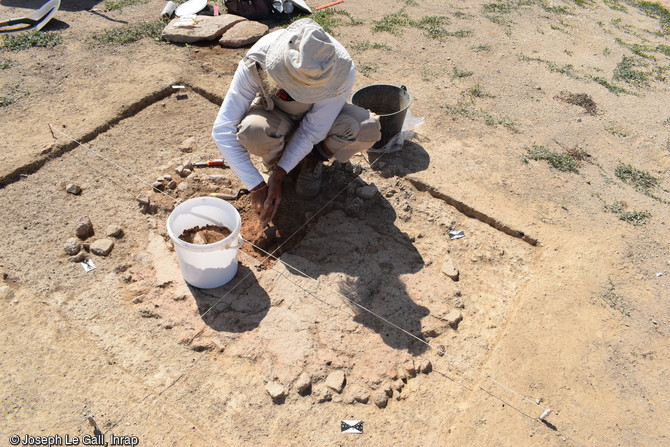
{"x":238,"y":306}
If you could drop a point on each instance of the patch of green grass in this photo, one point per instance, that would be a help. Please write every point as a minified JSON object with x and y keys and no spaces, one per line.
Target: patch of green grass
{"x":614,"y":300}
{"x":556,"y":9}
{"x":639,"y":179}
{"x":12,"y":94}
{"x":477,"y":91}
{"x":609,"y":86}
{"x":481,"y":47}
{"x":470,"y":112}
{"x":607,"y":51}
{"x":131,"y":33}
{"x":632,"y":217}
{"x":331,"y":18}
{"x":359,"y":47}
{"x":636,"y":48}
{"x":656,"y":10}
{"x":663,"y":49}
{"x":24,"y":41}
{"x":615,"y":5}
{"x":114,"y":5}
{"x":458,"y":73}
{"x":392,"y":23}
{"x":6,"y":63}
{"x":625,"y":71}
{"x":568,"y":70}
{"x":562,"y":162}
{"x":411,"y":3}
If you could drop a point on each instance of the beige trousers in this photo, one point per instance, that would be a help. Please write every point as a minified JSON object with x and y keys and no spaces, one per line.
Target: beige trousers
{"x":263,"y":133}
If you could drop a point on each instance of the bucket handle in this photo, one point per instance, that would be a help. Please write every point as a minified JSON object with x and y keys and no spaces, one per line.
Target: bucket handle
{"x":403,"y":87}
{"x":239,"y":243}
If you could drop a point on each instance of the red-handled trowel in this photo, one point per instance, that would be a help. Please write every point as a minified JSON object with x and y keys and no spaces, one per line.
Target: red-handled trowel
{"x":35,"y":22}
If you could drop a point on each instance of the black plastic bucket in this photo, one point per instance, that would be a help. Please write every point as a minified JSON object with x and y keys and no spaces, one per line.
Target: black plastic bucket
{"x":387,"y":101}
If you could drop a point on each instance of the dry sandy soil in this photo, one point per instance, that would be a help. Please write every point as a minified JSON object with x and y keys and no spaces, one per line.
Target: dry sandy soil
{"x":564,"y":305}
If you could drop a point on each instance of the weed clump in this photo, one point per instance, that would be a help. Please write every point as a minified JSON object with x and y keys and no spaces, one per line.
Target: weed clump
{"x":639,"y":179}
{"x":113,"y":5}
{"x":131,"y":33}
{"x":625,"y":70}
{"x":562,"y":162}
{"x":636,"y":218}
{"x":24,"y":41}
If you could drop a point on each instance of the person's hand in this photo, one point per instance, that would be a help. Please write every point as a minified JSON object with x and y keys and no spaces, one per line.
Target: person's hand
{"x":258,"y":195}
{"x":273,"y":198}
{"x":265,"y":199}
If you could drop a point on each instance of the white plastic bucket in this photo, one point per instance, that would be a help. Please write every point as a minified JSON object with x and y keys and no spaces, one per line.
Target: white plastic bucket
{"x":206,"y":266}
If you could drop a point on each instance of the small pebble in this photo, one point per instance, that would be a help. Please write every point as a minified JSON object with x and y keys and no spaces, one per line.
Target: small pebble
{"x":79,"y":257}
{"x":114,"y":231}
{"x":453,"y":318}
{"x":143,"y":199}
{"x":172,"y":184}
{"x":276,"y":391}
{"x":167,"y":177}
{"x":410,"y":368}
{"x":187,"y":145}
{"x":380,"y":399}
{"x":84,"y":227}
{"x":367,"y":192}
{"x":73,"y":189}
{"x":425,"y":366}
{"x":72,"y":246}
{"x":158,"y":185}
{"x":304,"y":383}
{"x":336,"y":380}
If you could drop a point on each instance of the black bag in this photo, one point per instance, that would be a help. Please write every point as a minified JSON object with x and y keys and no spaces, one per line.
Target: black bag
{"x":251,"y":9}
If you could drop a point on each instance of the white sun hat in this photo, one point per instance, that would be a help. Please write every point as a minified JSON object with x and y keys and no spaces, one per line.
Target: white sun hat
{"x":306,"y":62}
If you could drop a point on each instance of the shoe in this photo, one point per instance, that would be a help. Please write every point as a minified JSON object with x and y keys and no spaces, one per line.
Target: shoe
{"x":308,"y":183}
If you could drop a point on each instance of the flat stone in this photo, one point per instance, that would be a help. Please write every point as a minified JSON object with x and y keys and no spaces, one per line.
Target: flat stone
{"x":187,"y":145}
{"x":425,"y":366}
{"x":79,"y":257}
{"x":73,"y":189}
{"x":449,"y":269}
{"x":243,"y":33}
{"x":303,"y":384}
{"x":380,"y":398}
{"x":204,"y":28}
{"x":102,"y":247}
{"x":84,"y":227}
{"x":336,"y":380}
{"x":453,"y":318}
{"x":143,"y":199}
{"x":72,"y":246}
{"x":114,"y":230}
{"x":367,"y":192}
{"x":6,"y":293}
{"x":276,"y":391}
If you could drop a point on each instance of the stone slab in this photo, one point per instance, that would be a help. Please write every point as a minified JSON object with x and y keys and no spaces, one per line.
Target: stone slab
{"x":204,"y":28}
{"x":243,"y":33}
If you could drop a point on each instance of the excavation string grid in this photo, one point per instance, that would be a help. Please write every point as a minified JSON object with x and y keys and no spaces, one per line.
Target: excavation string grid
{"x":545,"y":411}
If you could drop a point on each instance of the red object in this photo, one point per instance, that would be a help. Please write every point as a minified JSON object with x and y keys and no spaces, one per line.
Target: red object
{"x":328,"y":5}
{"x":218,"y":162}
{"x":216,"y":10}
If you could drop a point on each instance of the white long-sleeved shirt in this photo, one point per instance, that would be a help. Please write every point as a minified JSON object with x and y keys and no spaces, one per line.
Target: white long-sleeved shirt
{"x":313,"y":128}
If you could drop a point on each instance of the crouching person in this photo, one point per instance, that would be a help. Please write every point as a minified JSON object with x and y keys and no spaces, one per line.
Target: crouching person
{"x":287,"y":105}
